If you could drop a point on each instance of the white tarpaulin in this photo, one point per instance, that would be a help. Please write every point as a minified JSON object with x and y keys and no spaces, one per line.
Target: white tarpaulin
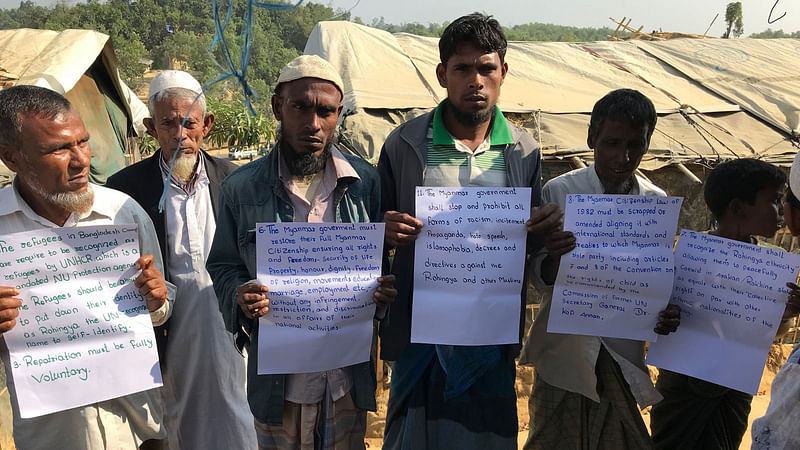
{"x":708,"y":111}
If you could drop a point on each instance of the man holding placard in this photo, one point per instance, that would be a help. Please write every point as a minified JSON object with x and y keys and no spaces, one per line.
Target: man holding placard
{"x":305,"y":178}
{"x":586,"y":380}
{"x":44,"y":141}
{"x":199,"y":361}
{"x":455,"y":396}
{"x":777,"y":430}
{"x":736,"y":320}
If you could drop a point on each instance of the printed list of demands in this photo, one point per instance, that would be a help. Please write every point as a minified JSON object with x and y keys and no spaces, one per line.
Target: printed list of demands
{"x":321,"y":278}
{"x":83,"y":333}
{"x":732,"y":296}
{"x":468,"y":265}
{"x":620,"y":274}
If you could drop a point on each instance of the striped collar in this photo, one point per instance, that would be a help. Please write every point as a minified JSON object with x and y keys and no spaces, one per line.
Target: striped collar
{"x":500,"y":134}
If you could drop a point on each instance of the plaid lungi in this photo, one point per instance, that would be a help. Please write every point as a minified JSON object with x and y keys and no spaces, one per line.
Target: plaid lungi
{"x":326,"y":425}
{"x":563,"y":420}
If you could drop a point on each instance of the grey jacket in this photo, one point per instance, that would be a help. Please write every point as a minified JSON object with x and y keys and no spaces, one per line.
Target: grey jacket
{"x":402,"y":167}
{"x":254,"y":193}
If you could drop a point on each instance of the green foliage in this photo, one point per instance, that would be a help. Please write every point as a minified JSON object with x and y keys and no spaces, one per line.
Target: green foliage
{"x":526,"y":32}
{"x":167,"y":31}
{"x":733,"y":20}
{"x":147,"y":145}
{"x":131,"y":57}
{"x":234,"y":126}
{"x":556,"y":33}
{"x":769,"y":34}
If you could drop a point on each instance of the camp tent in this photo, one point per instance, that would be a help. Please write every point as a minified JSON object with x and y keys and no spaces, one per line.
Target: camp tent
{"x":81,"y":65}
{"x":717,"y":99}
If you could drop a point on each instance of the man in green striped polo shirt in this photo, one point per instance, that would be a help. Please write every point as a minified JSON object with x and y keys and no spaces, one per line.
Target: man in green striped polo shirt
{"x":446,"y":396}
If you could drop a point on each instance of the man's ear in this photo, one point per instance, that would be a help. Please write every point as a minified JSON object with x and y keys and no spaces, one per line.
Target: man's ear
{"x":208,"y":122}
{"x":792,"y":218}
{"x":590,"y":140}
{"x":10,"y":157}
{"x":441,"y":75}
{"x":504,"y":71}
{"x":150,"y":126}
{"x":736,"y":208}
{"x":277,"y":103}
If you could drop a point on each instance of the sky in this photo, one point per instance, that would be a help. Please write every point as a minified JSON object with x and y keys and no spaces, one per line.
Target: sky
{"x":688,"y":16}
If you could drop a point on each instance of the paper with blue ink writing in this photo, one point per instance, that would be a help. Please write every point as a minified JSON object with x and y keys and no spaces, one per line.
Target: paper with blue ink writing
{"x":83,"y":333}
{"x":469,"y":261}
{"x":321,"y":279}
{"x":620,"y":274}
{"x":732,"y":296}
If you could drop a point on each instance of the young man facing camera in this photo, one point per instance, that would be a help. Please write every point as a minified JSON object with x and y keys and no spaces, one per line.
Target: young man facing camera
{"x":445,"y":396}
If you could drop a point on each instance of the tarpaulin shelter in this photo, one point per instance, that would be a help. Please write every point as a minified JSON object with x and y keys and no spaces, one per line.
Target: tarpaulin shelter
{"x":81,"y":65}
{"x":717,"y":99}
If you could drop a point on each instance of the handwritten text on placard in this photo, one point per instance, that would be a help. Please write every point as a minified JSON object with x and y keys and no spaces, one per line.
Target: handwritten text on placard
{"x":620,"y":274}
{"x":321,"y":278}
{"x":468,"y":265}
{"x":83,"y":333}
{"x":732,"y":295}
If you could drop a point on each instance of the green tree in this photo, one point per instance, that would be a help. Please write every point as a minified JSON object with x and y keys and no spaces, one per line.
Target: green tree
{"x":30,"y":15}
{"x":769,"y":34}
{"x":235,"y":126}
{"x":7,"y":21}
{"x":733,"y":20}
{"x":131,"y":56}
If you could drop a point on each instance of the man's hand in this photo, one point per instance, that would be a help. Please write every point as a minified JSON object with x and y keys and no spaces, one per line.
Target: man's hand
{"x":401,"y":228}
{"x":559,"y":243}
{"x":545,"y":219}
{"x":668,"y":320}
{"x":385,"y":293}
{"x":8,"y":308}
{"x":793,"y":302}
{"x":150,"y":283}
{"x":252,"y":299}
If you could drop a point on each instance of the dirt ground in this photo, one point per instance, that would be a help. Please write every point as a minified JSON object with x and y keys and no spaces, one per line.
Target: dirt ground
{"x":524,"y":384}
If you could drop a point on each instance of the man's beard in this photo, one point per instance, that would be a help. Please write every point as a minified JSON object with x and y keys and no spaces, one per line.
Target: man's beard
{"x":472,"y":119}
{"x":74,"y":202}
{"x":185,"y":165}
{"x":304,"y":164}
{"x":624,"y":187}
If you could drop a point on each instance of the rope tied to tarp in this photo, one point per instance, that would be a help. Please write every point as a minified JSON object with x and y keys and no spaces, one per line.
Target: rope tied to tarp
{"x":228,"y":69}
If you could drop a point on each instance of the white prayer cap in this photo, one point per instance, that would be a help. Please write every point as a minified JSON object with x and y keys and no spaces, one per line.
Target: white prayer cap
{"x":310,"y":66}
{"x":173,"y":79}
{"x":794,"y":176}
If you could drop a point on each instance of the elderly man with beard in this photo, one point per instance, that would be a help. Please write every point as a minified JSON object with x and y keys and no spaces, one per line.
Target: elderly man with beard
{"x":204,"y":375}
{"x":445,"y":396}
{"x":44,"y":141}
{"x":305,"y":178}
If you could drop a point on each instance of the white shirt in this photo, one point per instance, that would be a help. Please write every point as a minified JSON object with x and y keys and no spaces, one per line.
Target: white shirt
{"x":777,"y":430}
{"x":204,"y":381}
{"x":120,"y":423}
{"x":567,"y":361}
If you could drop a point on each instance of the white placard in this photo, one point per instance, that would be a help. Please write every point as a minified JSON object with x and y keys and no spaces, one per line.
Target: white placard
{"x":620,"y":274}
{"x":468,"y":265}
{"x":321,"y":279}
{"x":83,"y":334}
{"x":732,"y":296}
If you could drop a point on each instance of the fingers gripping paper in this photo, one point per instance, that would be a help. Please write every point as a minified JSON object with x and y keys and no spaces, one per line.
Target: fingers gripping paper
{"x":468,"y":265}
{"x":83,"y":333}
{"x":321,"y":279}
{"x":620,"y":274}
